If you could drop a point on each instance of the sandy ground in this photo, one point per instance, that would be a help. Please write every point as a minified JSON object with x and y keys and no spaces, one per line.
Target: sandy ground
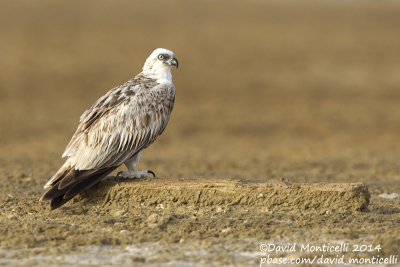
{"x":306,"y":91}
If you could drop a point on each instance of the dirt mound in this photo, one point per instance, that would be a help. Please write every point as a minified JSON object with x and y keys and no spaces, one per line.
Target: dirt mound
{"x":319,"y":197}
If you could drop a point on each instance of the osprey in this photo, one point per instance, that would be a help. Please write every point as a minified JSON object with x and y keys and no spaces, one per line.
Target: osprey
{"x":116,"y":130}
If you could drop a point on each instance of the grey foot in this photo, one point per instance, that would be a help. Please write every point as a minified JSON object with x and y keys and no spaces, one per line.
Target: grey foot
{"x":133,"y":175}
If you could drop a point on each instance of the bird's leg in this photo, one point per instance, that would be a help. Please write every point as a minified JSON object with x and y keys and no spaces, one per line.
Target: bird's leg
{"x":132,"y":171}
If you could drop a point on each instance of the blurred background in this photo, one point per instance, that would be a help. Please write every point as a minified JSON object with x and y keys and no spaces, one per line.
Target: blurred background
{"x":304,"y":90}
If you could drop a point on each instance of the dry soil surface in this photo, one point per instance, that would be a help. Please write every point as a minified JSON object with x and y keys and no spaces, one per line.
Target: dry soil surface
{"x":307,"y":91}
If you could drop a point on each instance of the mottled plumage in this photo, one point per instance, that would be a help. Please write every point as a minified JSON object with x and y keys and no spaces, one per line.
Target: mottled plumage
{"x":116,"y":129}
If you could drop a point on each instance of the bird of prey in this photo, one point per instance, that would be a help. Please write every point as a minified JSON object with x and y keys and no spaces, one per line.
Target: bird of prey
{"x":116,"y":129}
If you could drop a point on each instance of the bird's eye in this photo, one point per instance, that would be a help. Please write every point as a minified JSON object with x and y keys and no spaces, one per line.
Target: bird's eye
{"x":161,"y":57}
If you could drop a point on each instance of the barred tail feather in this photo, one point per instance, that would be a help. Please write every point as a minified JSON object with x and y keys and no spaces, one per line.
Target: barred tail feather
{"x":75,"y":182}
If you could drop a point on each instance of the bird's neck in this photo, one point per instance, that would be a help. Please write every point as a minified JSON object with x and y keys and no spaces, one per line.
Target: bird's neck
{"x":161,"y":75}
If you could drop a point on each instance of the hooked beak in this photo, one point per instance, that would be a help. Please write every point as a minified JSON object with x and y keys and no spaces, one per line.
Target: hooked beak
{"x":174,"y":62}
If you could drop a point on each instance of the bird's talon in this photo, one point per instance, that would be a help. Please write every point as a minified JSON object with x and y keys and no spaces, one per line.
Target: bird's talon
{"x":150,"y":171}
{"x":117,"y":178}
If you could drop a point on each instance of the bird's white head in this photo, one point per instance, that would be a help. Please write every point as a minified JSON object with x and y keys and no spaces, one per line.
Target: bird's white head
{"x":158,"y":65}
